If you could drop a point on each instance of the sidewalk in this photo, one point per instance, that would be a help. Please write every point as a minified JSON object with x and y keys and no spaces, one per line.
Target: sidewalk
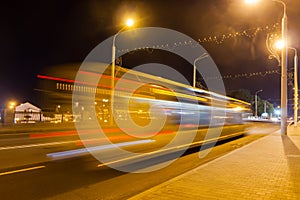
{"x":268,"y":168}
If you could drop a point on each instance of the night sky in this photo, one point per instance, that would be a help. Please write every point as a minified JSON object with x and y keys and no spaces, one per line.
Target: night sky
{"x":36,"y":35}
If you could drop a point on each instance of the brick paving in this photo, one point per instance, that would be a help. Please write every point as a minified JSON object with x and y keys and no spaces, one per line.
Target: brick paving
{"x":268,"y":168}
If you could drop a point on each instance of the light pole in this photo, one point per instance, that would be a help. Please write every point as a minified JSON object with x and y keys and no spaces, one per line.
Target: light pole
{"x":204,"y":55}
{"x":279,"y":45}
{"x":295,"y":85}
{"x":283,"y":67}
{"x":283,"y":70}
{"x":129,"y":23}
{"x":256,"y":102}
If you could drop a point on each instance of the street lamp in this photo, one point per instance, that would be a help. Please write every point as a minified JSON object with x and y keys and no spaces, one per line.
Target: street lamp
{"x":283,"y":67}
{"x":129,"y":23}
{"x":251,"y":1}
{"x":295,"y":86}
{"x":12,"y":105}
{"x":204,"y":55}
{"x":279,"y":44}
{"x":256,"y":101}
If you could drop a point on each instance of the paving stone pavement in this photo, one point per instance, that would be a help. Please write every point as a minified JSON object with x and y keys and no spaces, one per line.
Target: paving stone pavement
{"x":268,"y":168}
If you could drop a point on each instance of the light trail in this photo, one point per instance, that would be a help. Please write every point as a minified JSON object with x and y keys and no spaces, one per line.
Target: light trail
{"x":83,"y":151}
{"x":176,"y":148}
{"x":22,"y":170}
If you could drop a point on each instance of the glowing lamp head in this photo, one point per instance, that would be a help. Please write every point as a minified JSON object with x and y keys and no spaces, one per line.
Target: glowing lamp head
{"x":251,"y":1}
{"x":279,"y":44}
{"x":129,"y":22}
{"x":11,"y":104}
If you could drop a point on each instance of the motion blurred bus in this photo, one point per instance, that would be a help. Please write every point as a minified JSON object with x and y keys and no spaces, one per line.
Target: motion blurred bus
{"x":177,"y":102}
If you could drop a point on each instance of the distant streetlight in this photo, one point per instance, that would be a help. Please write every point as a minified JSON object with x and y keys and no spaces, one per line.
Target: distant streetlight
{"x":11,"y":105}
{"x":204,"y":55}
{"x":256,"y":101}
{"x":129,"y":23}
{"x":277,"y":112}
{"x":283,"y":67}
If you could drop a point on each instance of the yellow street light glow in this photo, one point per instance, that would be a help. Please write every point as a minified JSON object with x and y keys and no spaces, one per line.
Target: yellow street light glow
{"x":279,"y":44}
{"x":129,"y":22}
{"x":251,"y":1}
{"x":11,"y":104}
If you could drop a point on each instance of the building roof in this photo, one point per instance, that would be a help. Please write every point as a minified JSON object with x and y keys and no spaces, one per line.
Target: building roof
{"x":27,"y":107}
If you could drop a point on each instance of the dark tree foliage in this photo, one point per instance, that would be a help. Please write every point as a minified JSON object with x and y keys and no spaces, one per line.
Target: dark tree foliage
{"x":245,"y":95}
{"x":242,"y":94}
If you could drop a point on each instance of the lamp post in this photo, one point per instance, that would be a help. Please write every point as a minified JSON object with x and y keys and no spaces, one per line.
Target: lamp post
{"x":256,"y":101}
{"x":295,"y":85}
{"x":129,"y":23}
{"x":204,"y":55}
{"x":284,"y":61}
{"x":279,"y":45}
{"x":283,"y":67}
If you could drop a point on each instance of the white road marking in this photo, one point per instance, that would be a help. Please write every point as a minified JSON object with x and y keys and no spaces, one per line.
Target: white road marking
{"x":36,"y":145}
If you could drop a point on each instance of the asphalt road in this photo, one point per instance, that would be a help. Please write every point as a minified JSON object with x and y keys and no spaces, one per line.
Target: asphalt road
{"x":27,"y":173}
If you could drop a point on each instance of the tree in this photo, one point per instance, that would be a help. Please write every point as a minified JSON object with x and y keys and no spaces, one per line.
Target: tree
{"x":241,"y":94}
{"x":245,"y":95}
